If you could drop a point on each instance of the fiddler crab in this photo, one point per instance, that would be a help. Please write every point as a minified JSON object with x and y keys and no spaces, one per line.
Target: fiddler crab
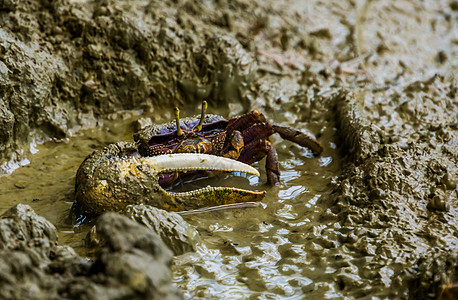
{"x":133,"y":173}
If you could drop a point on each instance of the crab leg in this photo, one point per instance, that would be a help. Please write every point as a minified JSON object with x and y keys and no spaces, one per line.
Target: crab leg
{"x":243,"y":122}
{"x":257,"y":149}
{"x":273,"y":173}
{"x":299,"y":138}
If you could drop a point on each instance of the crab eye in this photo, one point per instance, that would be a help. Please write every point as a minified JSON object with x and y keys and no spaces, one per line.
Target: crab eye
{"x":198,"y":127}
{"x":177,"y":119}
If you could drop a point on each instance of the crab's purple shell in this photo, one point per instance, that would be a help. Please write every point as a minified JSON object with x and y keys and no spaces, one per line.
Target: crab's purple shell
{"x":163,"y":133}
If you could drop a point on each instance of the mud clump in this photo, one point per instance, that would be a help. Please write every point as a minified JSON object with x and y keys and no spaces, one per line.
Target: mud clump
{"x":435,"y":270}
{"x":396,"y":202}
{"x":134,"y":263}
{"x":361,"y":138}
{"x":176,"y":233}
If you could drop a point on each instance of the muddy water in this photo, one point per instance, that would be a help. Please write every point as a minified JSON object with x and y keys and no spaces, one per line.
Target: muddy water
{"x":244,"y":251}
{"x":262,"y":252}
{"x":47,"y":182}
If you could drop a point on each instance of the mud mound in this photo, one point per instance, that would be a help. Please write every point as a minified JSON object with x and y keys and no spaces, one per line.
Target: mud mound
{"x":134,"y":263}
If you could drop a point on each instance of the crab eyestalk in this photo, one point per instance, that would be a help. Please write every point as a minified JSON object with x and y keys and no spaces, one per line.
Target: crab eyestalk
{"x":177,"y":119}
{"x":198,"y":128}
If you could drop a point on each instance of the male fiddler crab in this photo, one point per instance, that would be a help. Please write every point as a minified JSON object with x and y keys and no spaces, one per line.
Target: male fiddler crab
{"x":132,"y":173}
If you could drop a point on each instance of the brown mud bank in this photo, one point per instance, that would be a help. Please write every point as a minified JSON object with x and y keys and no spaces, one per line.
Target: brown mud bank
{"x":66,"y":63}
{"x":375,"y":216}
{"x":134,"y":263}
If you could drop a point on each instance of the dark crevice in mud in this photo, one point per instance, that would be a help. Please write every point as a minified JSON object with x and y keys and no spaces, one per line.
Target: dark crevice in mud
{"x":360,"y":138}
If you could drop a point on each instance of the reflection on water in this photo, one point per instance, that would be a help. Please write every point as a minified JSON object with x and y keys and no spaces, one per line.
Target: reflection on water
{"x":292,"y":192}
{"x":325,"y":160}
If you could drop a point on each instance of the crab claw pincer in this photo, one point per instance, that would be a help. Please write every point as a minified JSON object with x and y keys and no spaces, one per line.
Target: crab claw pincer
{"x":116,"y":176}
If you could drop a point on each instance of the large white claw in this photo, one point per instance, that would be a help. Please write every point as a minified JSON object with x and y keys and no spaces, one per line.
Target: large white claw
{"x":181,"y":162}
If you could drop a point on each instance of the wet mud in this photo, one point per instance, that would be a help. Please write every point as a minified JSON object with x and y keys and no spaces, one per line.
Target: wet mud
{"x":374,"y":216}
{"x":35,"y":267}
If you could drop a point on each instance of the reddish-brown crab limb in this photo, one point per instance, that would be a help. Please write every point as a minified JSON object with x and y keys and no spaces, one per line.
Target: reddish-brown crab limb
{"x":299,"y":138}
{"x":254,"y":125}
{"x":273,"y":173}
{"x":257,"y":149}
{"x":243,"y":122}
{"x":256,"y":132}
